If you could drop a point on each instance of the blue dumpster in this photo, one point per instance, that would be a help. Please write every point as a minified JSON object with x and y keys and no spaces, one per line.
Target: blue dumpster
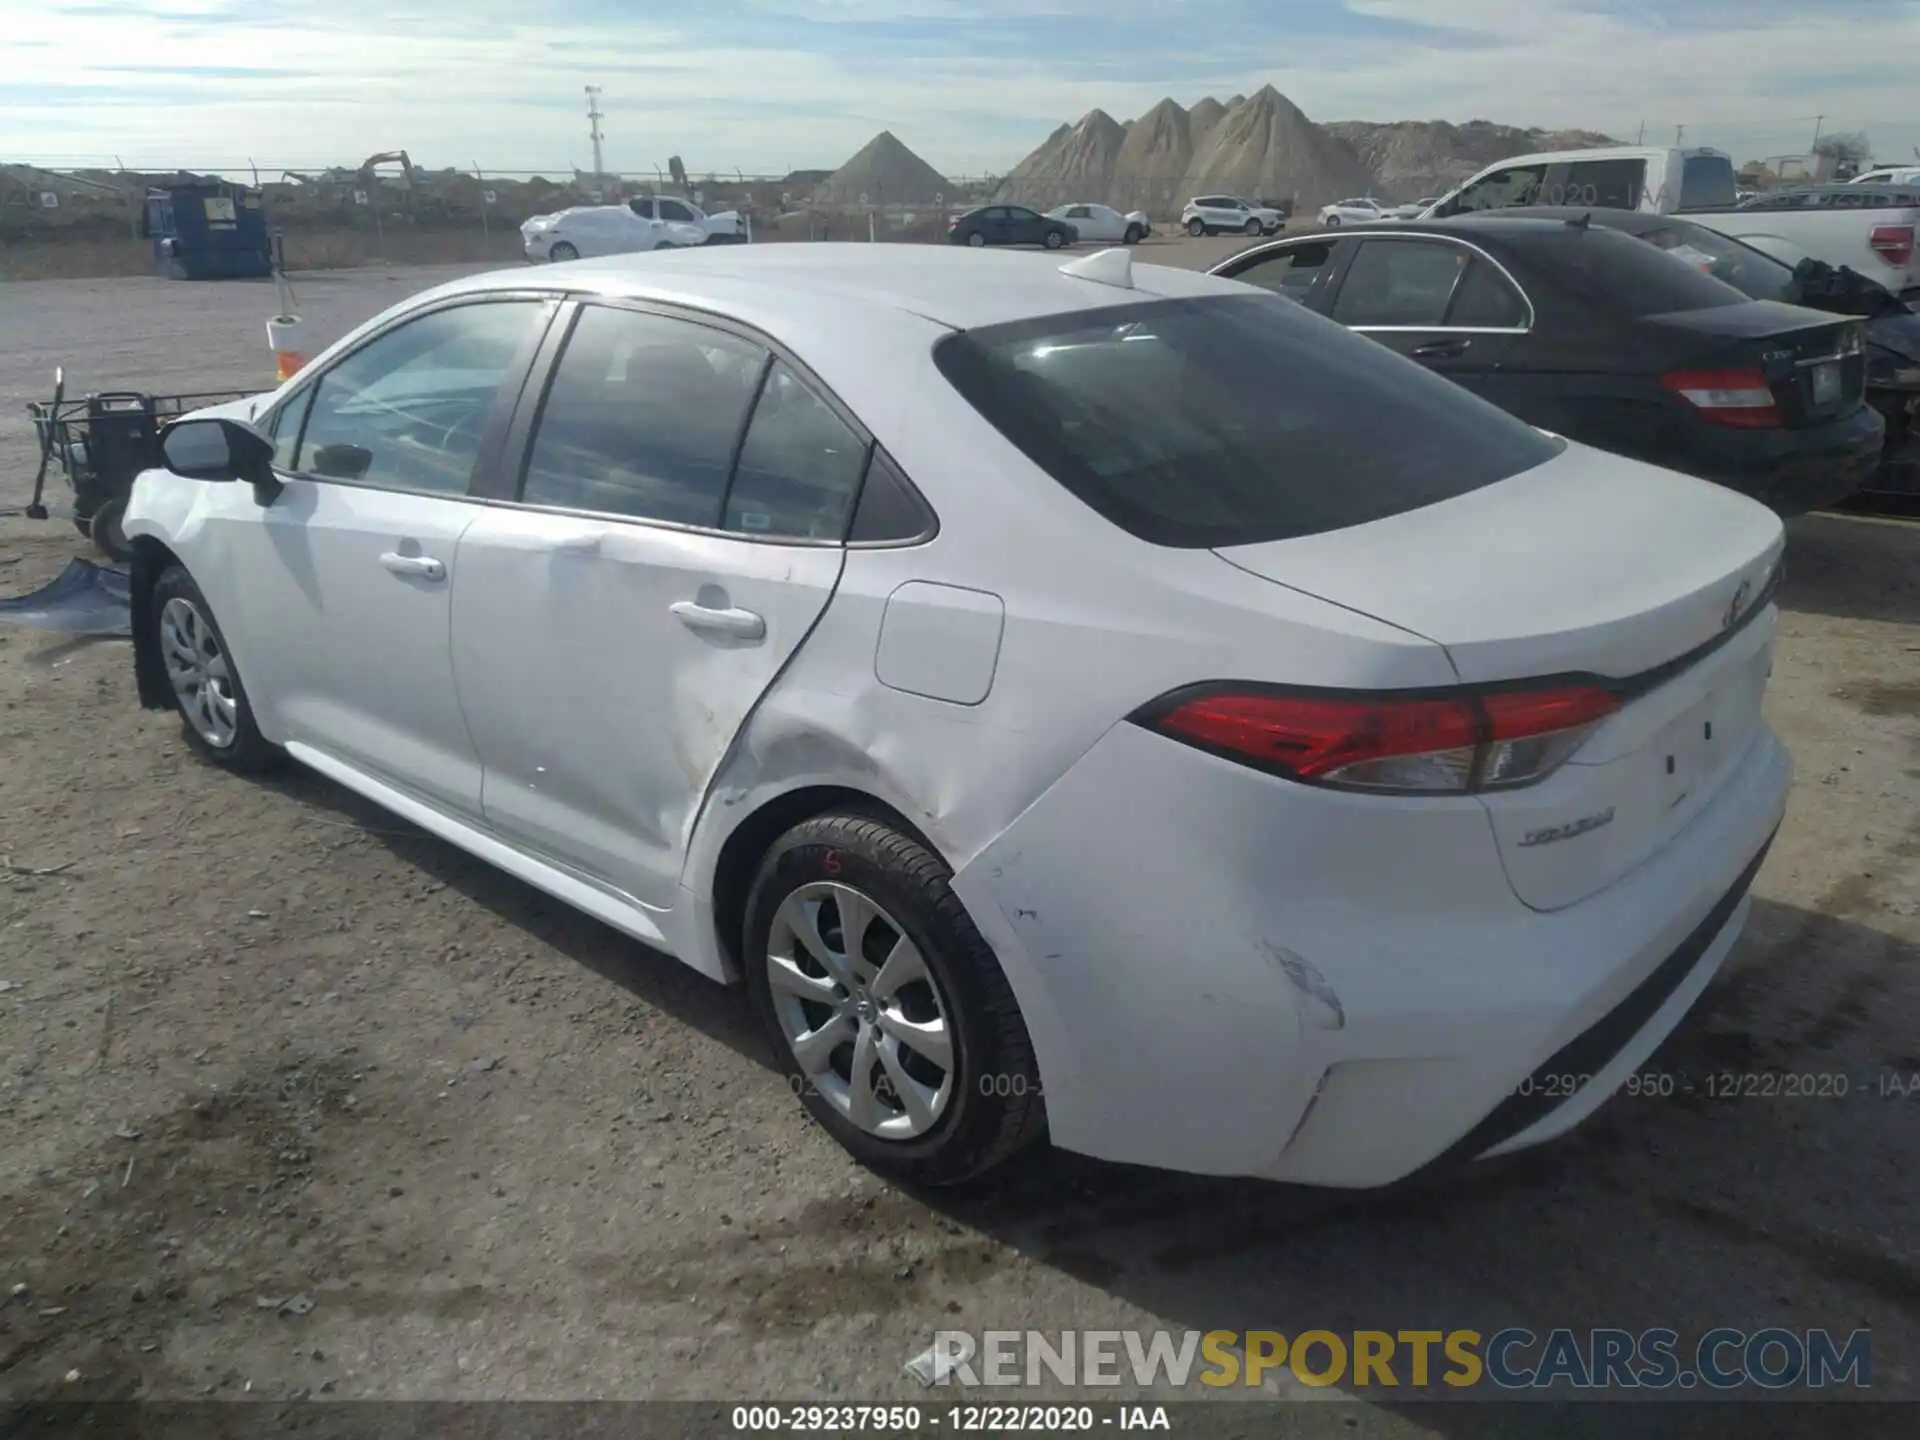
{"x":208,"y":230}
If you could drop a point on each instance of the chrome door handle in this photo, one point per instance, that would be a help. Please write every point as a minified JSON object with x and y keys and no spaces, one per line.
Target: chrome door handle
{"x":586,"y":544}
{"x":742,"y":624}
{"x":425,"y":566}
{"x":1441,"y":350}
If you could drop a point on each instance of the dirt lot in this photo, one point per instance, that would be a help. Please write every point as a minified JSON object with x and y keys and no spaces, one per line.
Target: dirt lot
{"x":299,"y":1101}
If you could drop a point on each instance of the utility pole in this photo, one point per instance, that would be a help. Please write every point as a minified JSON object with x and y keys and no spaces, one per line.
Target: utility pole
{"x":1818,"y":121}
{"x":1679,"y":131}
{"x":1643,"y":134}
{"x":594,"y":117}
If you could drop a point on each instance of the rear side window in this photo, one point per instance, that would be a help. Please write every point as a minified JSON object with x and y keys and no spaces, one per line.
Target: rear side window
{"x":642,"y":417}
{"x":1610,"y":184}
{"x":800,"y":465}
{"x":1622,"y":275}
{"x":1486,"y":301}
{"x":1400,"y":282}
{"x":1706,"y":181}
{"x":1287,"y":272}
{"x":1232,"y":420}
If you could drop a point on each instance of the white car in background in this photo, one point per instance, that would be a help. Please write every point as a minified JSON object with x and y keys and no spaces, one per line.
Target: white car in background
{"x":687,"y":224}
{"x":589,"y":230}
{"x":1898,"y":175}
{"x":1215,"y":214}
{"x":1413,"y":209}
{"x":1371,"y":788}
{"x":1355,"y":212}
{"x":1103,"y":222}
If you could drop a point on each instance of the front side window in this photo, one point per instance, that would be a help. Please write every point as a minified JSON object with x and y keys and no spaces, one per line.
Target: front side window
{"x":405,"y":411}
{"x":1400,"y":282}
{"x":1232,"y":420}
{"x":674,"y":210}
{"x":641,"y":418}
{"x":800,"y":465}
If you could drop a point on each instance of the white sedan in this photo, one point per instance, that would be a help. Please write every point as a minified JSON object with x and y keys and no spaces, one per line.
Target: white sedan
{"x":588,"y":230}
{"x":1104,"y":223}
{"x":1354,"y":212}
{"x":1371,"y":768}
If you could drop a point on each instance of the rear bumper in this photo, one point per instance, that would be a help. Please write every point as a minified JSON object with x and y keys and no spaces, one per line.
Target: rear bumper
{"x":1226,"y":974}
{"x":1790,"y":471}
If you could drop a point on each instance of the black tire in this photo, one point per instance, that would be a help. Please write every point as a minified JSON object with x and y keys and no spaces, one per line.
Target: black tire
{"x":994,"y":1107}
{"x":975,"y":239}
{"x":249,"y":752}
{"x":1253,"y":227}
{"x":1054,"y":239}
{"x":1133,"y":236}
{"x":108,"y":531}
{"x":84,"y":524}
{"x":1333,"y":222}
{"x":1196,"y":227}
{"x":563,"y":251}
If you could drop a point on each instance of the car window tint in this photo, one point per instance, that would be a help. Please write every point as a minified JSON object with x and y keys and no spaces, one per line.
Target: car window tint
{"x":1707,"y":180}
{"x":642,"y":417}
{"x":674,"y":210}
{"x":1609,"y":184}
{"x":1232,"y":420}
{"x":1290,"y":272}
{"x":1748,"y":270}
{"x":799,"y":467}
{"x":1617,"y":275}
{"x":405,"y":410}
{"x":1517,"y":185}
{"x":1487,"y":300}
{"x":1400,"y":282}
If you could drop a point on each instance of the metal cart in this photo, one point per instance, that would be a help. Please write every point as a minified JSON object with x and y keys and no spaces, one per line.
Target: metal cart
{"x":101,"y":443}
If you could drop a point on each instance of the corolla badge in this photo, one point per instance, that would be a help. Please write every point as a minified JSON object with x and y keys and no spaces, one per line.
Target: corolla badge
{"x":1737,"y":606}
{"x":1553,"y":834}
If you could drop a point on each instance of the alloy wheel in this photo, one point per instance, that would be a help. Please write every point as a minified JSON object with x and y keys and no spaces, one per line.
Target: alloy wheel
{"x":861,"y":1011}
{"x":198,"y":670}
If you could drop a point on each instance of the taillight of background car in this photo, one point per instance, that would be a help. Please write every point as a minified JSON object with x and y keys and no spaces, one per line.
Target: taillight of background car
{"x":1457,"y":743}
{"x":1893,"y":243}
{"x":1740,"y":399}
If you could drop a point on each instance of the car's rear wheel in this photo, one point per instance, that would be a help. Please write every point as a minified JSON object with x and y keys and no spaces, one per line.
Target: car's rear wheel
{"x":1054,"y":239}
{"x":206,"y":684}
{"x":976,"y":239}
{"x":1253,"y":227}
{"x":888,"y":1012}
{"x":563,"y":251}
{"x":1196,"y":227}
{"x":1333,"y":222}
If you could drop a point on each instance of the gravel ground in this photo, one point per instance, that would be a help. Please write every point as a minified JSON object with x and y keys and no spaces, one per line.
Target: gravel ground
{"x":297,"y":1100}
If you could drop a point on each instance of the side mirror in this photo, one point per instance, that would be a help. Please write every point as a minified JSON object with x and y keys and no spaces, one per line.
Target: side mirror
{"x":221,"y":450}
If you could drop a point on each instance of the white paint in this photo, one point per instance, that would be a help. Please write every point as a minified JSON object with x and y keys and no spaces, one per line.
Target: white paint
{"x":940,"y":641}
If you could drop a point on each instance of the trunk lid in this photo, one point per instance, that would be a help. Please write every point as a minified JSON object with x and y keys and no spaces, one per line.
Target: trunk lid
{"x":1593,"y":565}
{"x":1812,"y":359}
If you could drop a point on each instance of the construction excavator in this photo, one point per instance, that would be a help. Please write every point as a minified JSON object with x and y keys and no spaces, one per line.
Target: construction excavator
{"x":369,"y":169}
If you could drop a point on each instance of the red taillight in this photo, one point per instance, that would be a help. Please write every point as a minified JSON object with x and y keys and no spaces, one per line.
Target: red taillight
{"x":1741,"y":399}
{"x":1451,"y":744}
{"x":1893,"y":243}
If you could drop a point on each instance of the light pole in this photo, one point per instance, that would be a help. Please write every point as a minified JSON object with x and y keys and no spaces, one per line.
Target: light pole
{"x":594,"y":117}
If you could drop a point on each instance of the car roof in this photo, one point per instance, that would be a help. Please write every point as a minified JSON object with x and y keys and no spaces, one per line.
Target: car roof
{"x":779,"y":286}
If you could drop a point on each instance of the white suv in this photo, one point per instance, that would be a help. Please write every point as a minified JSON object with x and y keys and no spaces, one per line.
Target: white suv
{"x":1212,"y":214}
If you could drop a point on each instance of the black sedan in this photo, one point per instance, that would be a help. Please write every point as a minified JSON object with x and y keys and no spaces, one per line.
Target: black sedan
{"x":1010,"y":225}
{"x":1892,"y":325}
{"x":1594,"y":335}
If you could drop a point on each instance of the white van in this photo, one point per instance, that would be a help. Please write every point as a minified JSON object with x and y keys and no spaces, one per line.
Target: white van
{"x":1617,"y":177}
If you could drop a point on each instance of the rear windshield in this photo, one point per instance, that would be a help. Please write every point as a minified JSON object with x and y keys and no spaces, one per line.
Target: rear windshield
{"x":1232,"y":420}
{"x":1624,"y":276}
{"x":1706,"y":181}
{"x":1755,"y":275}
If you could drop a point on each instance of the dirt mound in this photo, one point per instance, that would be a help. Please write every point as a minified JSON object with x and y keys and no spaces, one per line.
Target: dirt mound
{"x":1075,"y":164}
{"x":1266,"y":146}
{"x":884,"y":172}
{"x":1153,"y":162}
{"x":1203,"y":117}
{"x":1410,"y":159}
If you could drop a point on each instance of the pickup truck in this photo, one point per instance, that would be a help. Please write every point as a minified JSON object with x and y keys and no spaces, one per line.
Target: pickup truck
{"x":1868,"y":228}
{"x":686,"y":223}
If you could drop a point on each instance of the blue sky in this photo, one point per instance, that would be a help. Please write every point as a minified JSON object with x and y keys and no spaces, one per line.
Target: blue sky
{"x":763,"y":86}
